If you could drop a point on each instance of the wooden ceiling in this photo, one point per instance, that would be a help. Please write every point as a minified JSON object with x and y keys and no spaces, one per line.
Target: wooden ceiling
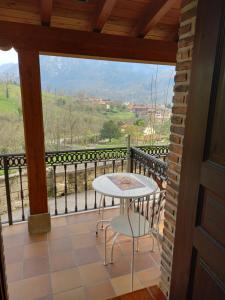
{"x":134,"y":30}
{"x":149,"y":19}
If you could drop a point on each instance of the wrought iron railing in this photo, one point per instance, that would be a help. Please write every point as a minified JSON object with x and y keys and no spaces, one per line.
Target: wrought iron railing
{"x":155,"y":166}
{"x":69,"y":177}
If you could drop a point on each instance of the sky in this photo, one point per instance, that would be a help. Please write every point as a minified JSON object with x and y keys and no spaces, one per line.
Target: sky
{"x":8,"y":57}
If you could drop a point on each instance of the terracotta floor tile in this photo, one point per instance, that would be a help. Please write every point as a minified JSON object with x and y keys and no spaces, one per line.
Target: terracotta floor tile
{"x":100,"y":291}
{"x":122,"y":284}
{"x":14,"y":254}
{"x":34,"y":238}
{"x":13,"y":240}
{"x":92,"y":226}
{"x":15,"y":229}
{"x":93,"y":273}
{"x":31,"y":288}
{"x":116,"y":252}
{"x":65,"y":280}
{"x":126,"y":248}
{"x":156,"y":257}
{"x":83,"y":240}
{"x":143,"y":261}
{"x":58,"y":245}
{"x":119,"y":267}
{"x":149,"y":276}
{"x":58,"y":233}
{"x":78,"y":228}
{"x":74,"y":256}
{"x":48,"y":297}
{"x":14,"y":271}
{"x":62,"y":260}
{"x":75,"y":294}
{"x":58,"y":221}
{"x":35,"y":266}
{"x":82,"y":217}
{"x":38,"y":249}
{"x":86,"y":255}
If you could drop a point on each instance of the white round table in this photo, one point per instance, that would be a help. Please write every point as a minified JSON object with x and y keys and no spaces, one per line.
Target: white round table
{"x":109,"y":185}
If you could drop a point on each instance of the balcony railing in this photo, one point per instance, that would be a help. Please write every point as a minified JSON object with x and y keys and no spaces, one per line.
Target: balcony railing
{"x":70,"y":175}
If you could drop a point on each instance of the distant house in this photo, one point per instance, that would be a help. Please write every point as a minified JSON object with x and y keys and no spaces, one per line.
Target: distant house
{"x":148,"y":131}
{"x":104,"y":102}
{"x":141,"y":109}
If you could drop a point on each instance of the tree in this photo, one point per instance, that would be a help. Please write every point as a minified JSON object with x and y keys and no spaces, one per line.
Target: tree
{"x":110,"y":130}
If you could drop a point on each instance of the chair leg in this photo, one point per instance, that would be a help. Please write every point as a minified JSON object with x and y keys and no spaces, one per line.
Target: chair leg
{"x":100,"y":222}
{"x":137,"y":244}
{"x":132,"y":266}
{"x":102,"y":216}
{"x":113,"y":243}
{"x":153,"y":242}
{"x":106,"y":228}
{"x":100,"y":204}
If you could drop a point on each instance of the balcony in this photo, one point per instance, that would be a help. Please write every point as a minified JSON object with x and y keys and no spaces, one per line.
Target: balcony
{"x":70,"y":175}
{"x":67,"y":263}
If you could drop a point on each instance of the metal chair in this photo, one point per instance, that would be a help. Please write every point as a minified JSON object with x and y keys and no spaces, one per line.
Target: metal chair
{"x":143,"y":218}
{"x":101,"y":213}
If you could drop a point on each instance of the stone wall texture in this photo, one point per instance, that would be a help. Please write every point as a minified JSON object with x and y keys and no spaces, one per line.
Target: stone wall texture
{"x":180,"y":102}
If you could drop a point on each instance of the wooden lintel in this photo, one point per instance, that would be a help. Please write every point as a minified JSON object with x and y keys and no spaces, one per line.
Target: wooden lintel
{"x":46,"y":12}
{"x":65,"y":42}
{"x":103,"y":13}
{"x":157,"y":10}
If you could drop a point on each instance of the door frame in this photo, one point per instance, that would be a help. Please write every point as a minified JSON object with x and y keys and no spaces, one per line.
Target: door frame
{"x":203,"y":71}
{"x":3,"y":282}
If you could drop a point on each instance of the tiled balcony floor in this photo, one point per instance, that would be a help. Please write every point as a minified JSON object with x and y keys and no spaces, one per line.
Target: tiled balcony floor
{"x":67,"y":263}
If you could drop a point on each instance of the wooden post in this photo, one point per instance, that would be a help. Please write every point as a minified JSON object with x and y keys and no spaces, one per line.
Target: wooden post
{"x":29,"y":69}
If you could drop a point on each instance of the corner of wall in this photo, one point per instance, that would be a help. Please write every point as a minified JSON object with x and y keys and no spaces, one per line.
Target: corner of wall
{"x":179,"y":109}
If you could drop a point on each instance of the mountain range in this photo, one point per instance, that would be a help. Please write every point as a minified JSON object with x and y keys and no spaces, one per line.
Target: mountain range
{"x":120,"y":81}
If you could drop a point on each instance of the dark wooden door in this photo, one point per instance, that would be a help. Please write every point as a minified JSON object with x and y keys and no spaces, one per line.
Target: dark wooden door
{"x":199,"y":253}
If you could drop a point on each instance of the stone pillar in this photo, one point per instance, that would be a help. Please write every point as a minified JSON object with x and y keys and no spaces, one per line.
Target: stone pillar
{"x":180,"y":102}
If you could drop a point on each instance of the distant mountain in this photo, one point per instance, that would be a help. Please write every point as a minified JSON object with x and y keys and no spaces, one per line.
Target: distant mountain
{"x":131,"y":82}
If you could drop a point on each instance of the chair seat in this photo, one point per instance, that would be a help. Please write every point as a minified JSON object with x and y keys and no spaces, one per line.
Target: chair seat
{"x":139,"y":224}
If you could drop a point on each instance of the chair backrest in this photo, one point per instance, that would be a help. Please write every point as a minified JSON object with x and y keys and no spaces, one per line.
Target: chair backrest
{"x":145,"y":214}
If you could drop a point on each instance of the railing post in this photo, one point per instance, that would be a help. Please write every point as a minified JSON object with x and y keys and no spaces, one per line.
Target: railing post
{"x":7,"y":189}
{"x":129,"y":156}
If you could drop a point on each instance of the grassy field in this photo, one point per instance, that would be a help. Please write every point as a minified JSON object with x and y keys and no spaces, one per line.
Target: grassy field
{"x":10,"y":105}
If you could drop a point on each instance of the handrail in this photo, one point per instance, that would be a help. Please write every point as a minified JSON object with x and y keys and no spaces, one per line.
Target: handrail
{"x":80,"y":156}
{"x":153,"y":164}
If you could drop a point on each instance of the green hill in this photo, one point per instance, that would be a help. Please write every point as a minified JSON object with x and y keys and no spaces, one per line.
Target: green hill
{"x":70,"y":121}
{"x":11,"y":104}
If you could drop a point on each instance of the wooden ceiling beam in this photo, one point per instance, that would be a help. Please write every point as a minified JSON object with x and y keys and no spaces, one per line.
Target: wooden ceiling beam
{"x":68,"y":42}
{"x":156,"y":11}
{"x":104,"y":10}
{"x":46,"y":12}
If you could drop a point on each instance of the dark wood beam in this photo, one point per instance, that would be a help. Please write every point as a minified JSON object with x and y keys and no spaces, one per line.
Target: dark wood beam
{"x":104,"y":10}
{"x":46,"y":12}
{"x":156,"y":11}
{"x":65,"y":42}
{"x":30,"y":83}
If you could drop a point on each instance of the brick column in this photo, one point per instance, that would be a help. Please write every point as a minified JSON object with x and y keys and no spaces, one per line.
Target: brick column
{"x":180,"y":102}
